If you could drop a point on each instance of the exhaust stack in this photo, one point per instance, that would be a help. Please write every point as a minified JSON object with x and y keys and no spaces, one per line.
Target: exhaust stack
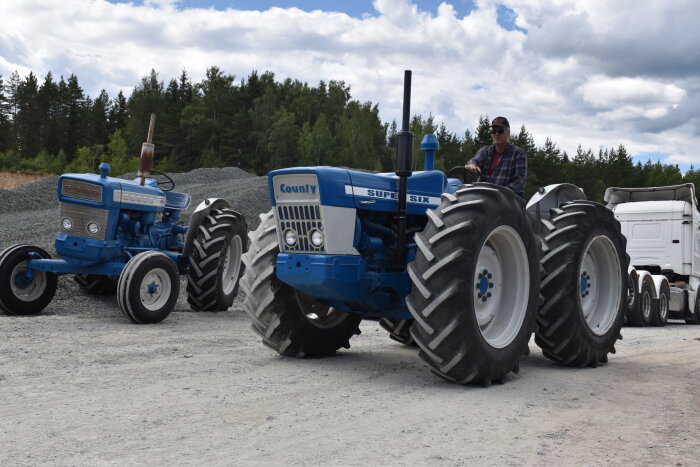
{"x":404,"y":162}
{"x":147,"y":150}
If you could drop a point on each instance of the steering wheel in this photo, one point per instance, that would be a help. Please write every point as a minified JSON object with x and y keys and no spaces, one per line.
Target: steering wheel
{"x":165,"y":185}
{"x":464,"y":175}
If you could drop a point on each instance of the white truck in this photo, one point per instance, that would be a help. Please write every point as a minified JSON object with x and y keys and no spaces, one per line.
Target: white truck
{"x":662,"y":226}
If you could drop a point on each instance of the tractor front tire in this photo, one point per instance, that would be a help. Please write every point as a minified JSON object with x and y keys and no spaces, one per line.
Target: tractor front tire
{"x":148,"y":287}
{"x":399,"y":330}
{"x":584,"y":285}
{"x":215,"y":262}
{"x":95,"y":284}
{"x":18,"y":295}
{"x":475,"y":285}
{"x":288,"y":321}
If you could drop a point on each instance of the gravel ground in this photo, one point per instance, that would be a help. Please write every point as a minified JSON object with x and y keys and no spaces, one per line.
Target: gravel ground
{"x":80,"y":385}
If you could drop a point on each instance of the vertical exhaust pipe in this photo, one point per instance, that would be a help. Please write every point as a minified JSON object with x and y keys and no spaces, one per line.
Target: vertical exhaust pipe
{"x":404,"y":163}
{"x":147,"y":150}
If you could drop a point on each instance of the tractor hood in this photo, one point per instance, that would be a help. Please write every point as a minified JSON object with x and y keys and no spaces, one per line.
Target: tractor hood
{"x":354,"y":189}
{"x":105,"y":192}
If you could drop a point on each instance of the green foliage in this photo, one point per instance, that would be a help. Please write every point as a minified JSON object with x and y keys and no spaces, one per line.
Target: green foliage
{"x":86,"y":160}
{"x":118,"y":156}
{"x":258,"y":124}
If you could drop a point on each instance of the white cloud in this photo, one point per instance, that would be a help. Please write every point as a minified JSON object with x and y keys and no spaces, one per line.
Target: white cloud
{"x":582,"y":64}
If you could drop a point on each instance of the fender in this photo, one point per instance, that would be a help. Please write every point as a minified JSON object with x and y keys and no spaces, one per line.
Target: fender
{"x":658,"y":283}
{"x":199,"y":214}
{"x":553,"y":196}
{"x":646,"y":276}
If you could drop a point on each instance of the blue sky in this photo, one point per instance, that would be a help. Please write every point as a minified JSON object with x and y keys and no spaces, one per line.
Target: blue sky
{"x":581,"y":72}
{"x":356,"y":8}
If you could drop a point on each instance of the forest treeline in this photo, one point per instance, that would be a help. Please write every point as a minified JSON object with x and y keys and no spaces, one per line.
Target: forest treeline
{"x":260,"y":124}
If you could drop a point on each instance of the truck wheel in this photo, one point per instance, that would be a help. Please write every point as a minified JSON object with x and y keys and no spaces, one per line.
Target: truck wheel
{"x":695,"y":317}
{"x":475,"y":285}
{"x":288,"y":321}
{"x":215,"y":263}
{"x":20,"y":295}
{"x":659,"y":315}
{"x":642,"y":315}
{"x":584,"y":285}
{"x":95,"y":284}
{"x":632,"y":295}
{"x":148,"y":287}
{"x":399,"y":330}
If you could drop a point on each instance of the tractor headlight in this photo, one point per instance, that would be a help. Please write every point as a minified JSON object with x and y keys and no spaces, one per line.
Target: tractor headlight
{"x":93,"y":228}
{"x":66,"y":223}
{"x":316,"y":238}
{"x":290,"y":237}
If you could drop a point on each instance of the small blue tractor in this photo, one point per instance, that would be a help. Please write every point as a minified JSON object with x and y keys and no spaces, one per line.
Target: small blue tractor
{"x":124,"y":237}
{"x":467,"y":272}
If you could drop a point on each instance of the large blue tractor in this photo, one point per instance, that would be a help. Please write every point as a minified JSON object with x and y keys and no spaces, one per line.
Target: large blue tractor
{"x":125,"y":237}
{"x":467,"y":272}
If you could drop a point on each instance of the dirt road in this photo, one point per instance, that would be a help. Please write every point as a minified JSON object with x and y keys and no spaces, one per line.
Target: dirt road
{"x":82,"y":386}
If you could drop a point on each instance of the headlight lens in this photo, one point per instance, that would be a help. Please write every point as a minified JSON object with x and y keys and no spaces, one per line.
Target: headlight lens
{"x":66,"y":223}
{"x":316,"y":238}
{"x":290,"y":237}
{"x":93,"y":228}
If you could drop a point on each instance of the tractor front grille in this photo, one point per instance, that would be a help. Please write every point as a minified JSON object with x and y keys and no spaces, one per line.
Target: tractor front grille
{"x":303,"y":219}
{"x":80,"y":216}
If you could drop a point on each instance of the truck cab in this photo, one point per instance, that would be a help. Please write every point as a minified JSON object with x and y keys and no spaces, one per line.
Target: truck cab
{"x":662,"y":227}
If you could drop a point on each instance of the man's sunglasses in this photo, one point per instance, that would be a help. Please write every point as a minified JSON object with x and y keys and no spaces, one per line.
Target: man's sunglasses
{"x":498,"y":131}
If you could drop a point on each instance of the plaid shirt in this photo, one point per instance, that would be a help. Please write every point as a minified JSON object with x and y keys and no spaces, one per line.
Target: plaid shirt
{"x":511,"y":172}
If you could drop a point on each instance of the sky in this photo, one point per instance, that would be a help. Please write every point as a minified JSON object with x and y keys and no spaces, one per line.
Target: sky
{"x":582,"y":72}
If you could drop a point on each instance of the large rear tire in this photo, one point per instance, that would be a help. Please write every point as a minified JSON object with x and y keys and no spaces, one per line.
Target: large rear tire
{"x":20,"y":295}
{"x":288,"y":321}
{"x":215,"y":262}
{"x":584,"y":285}
{"x":475,"y":285}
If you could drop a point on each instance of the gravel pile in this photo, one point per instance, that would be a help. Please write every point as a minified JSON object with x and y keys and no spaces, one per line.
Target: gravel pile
{"x":29,"y":214}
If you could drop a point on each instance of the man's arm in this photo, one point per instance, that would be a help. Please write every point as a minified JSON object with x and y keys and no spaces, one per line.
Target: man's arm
{"x":519,"y":179}
{"x":479,"y":158}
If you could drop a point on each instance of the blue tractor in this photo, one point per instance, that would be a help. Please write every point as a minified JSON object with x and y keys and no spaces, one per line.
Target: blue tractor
{"x":467,"y":272}
{"x":125,"y":237}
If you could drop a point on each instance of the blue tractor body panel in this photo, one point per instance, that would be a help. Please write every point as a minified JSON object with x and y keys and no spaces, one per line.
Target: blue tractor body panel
{"x":124,"y":216}
{"x":349,"y":188}
{"x":365,"y":279}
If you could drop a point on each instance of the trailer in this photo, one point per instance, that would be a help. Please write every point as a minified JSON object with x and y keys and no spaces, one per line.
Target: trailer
{"x":662,"y":226}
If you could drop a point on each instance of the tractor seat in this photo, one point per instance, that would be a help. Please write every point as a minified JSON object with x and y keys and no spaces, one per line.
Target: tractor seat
{"x":175,"y":200}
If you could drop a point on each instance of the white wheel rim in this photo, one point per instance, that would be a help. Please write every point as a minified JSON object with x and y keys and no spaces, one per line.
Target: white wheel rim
{"x":600,"y":283}
{"x":502,"y":280}
{"x":32,"y":291}
{"x":320,"y":315}
{"x":155,"y":289}
{"x":232,"y":264}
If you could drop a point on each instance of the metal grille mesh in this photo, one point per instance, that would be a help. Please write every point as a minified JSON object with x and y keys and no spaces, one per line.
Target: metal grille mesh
{"x":80,"y":217}
{"x":302,"y":219}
